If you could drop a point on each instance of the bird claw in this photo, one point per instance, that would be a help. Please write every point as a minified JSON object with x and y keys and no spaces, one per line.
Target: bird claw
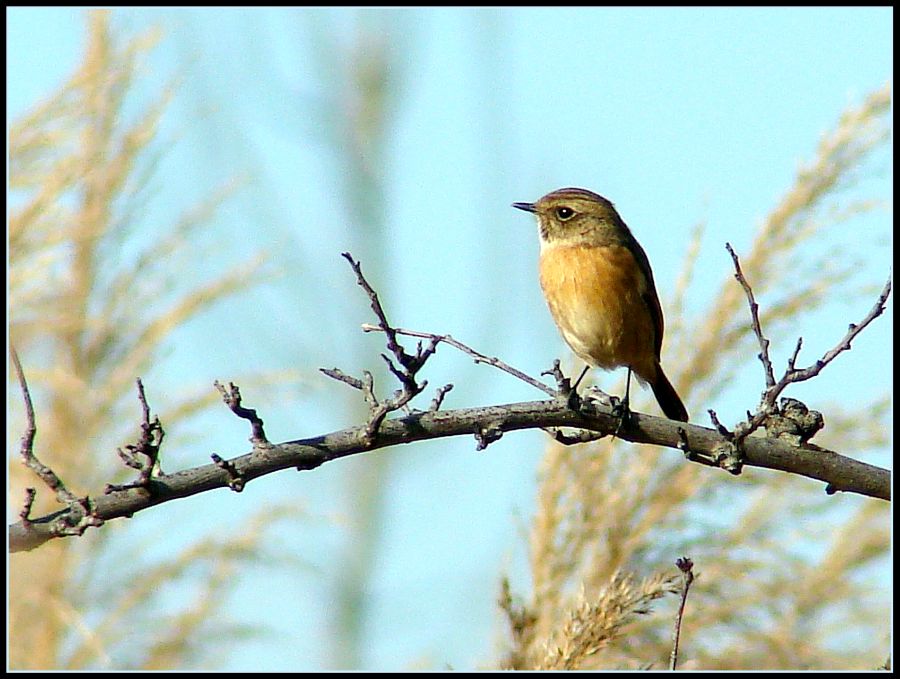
{"x":619,"y":406}
{"x":621,"y":411}
{"x":595,"y":393}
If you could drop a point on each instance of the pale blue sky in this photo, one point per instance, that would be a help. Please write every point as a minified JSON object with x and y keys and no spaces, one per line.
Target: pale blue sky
{"x":677,"y":115}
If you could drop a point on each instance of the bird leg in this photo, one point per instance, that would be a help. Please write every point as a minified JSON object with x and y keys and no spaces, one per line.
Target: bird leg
{"x":620,"y":407}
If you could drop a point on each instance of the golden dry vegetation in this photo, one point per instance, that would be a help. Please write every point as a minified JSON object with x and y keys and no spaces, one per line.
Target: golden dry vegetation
{"x":612,"y":518}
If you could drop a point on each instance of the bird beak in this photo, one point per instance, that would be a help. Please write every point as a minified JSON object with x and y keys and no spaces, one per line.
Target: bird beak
{"x":528,"y":207}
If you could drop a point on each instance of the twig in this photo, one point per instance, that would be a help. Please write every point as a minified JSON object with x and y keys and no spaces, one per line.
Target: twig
{"x":754,"y":318}
{"x":853,"y":330}
{"x":80,"y":513}
{"x":232,"y":398}
{"x":408,"y":361}
{"x":686,"y":566}
{"x":29,"y":459}
{"x":25,"y":513}
{"x":147,"y":447}
{"x":405,"y":369}
{"x":721,"y":428}
{"x":438,"y":399}
{"x":478,"y":356}
{"x":768,"y":403}
{"x":793,"y":359}
{"x":378,"y":410}
{"x":341,"y":376}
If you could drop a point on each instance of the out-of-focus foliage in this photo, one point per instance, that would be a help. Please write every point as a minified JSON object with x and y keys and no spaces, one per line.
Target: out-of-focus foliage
{"x":90,"y":303}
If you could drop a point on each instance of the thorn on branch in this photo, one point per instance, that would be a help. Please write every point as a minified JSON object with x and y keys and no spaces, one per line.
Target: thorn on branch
{"x":438,"y":399}
{"x":718,"y":425}
{"x":25,"y":513}
{"x":485,"y":435}
{"x":235,"y":480}
{"x":232,"y":398}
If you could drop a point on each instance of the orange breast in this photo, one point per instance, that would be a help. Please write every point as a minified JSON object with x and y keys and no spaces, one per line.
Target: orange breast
{"x":595,"y":297}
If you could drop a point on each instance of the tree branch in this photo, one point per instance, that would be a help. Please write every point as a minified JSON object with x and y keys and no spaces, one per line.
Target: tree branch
{"x":594,"y":417}
{"x":466,"y":349}
{"x":841,"y":472}
{"x":792,"y":421}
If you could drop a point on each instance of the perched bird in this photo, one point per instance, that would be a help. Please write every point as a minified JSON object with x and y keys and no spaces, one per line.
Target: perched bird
{"x":597,"y":281}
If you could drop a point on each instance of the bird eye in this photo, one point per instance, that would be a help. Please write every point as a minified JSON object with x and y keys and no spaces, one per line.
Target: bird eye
{"x":564,"y":212}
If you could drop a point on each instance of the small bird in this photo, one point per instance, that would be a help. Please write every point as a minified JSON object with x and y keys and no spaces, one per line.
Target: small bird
{"x":597,"y":281}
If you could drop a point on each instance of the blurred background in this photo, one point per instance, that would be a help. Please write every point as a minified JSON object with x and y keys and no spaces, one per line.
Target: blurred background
{"x":181,"y":185}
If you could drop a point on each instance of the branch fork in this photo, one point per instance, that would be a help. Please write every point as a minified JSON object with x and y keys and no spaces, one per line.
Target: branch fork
{"x":404,"y":366}
{"x":144,"y":455}
{"x":789,"y":420}
{"x":79,"y":514}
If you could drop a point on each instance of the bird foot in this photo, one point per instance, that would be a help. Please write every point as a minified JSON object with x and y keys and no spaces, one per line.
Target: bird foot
{"x":621,"y":411}
{"x":619,"y":406}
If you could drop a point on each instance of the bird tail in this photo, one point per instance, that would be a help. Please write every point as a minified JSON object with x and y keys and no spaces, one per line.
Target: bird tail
{"x":667,"y":397}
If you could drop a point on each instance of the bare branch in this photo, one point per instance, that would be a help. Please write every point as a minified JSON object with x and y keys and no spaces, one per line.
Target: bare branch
{"x":792,"y":361}
{"x":147,"y":447}
{"x":768,"y":407}
{"x":794,"y":375}
{"x":341,"y":376}
{"x":592,"y":417}
{"x":840,"y":472}
{"x":25,"y":514}
{"x":479,"y":357}
{"x":232,"y":398}
{"x":404,"y":359}
{"x":754,"y":318}
{"x":410,"y":364}
{"x":439,"y":397}
{"x":29,"y":459}
{"x":686,"y":566}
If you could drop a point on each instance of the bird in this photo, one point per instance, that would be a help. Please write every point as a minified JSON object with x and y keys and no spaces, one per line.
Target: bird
{"x":598,"y":285}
